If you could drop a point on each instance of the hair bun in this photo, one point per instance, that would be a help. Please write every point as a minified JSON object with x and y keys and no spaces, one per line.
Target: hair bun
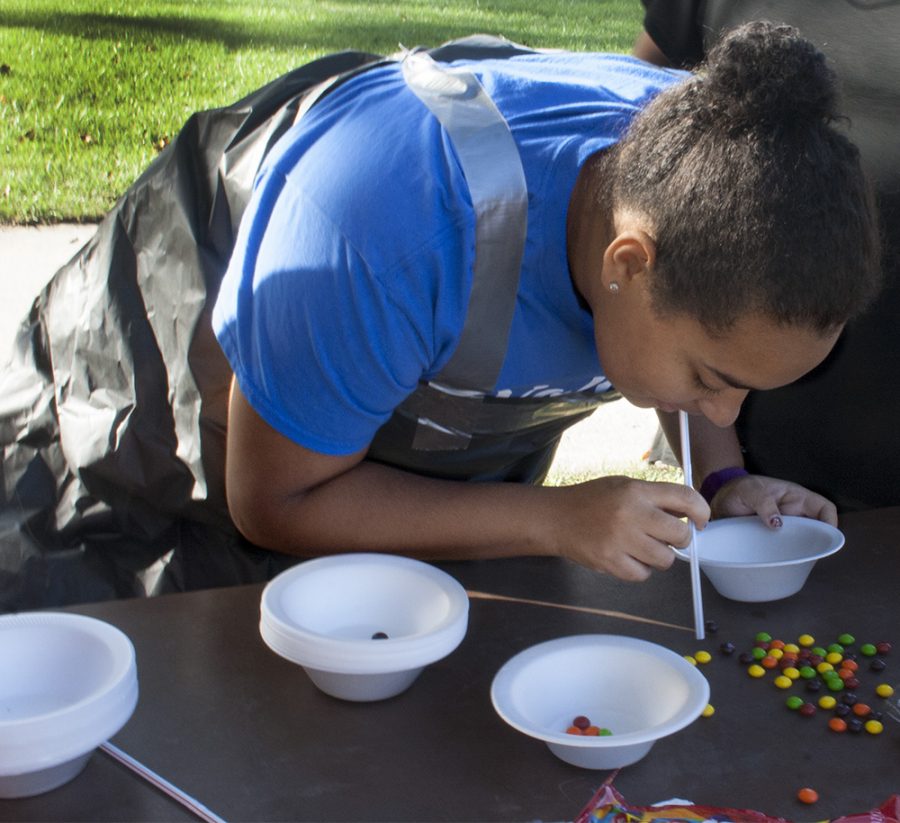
{"x":764,"y":75}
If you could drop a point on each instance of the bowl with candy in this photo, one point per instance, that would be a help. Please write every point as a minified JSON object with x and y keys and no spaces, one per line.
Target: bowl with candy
{"x":363,"y":626}
{"x":747,"y":560}
{"x":67,"y":684}
{"x":599,"y":701}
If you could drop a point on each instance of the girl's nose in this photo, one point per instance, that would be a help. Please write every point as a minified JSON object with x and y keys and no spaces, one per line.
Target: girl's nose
{"x":723,"y":408}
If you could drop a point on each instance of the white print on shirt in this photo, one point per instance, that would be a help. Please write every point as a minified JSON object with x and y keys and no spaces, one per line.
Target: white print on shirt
{"x":597,"y":385}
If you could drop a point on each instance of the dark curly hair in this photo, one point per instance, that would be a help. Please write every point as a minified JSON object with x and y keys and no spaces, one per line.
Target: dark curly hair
{"x":757,"y":203}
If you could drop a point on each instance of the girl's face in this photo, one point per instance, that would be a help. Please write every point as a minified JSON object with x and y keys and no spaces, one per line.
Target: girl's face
{"x":671,"y":363}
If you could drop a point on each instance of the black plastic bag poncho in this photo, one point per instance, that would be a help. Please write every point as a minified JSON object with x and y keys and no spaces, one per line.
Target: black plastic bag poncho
{"x":113,"y":406}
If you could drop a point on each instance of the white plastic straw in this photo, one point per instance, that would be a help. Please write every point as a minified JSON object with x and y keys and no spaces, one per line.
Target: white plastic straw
{"x":696,"y":592}
{"x":190,"y":803}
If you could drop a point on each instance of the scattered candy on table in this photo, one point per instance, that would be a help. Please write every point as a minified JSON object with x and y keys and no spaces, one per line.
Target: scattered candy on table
{"x":834,"y":667}
{"x":833,"y":676}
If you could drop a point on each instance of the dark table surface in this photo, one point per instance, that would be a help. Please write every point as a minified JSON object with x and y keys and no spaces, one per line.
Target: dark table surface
{"x":247,"y":734}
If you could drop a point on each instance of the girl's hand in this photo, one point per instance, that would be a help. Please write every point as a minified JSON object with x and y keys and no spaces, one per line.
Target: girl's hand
{"x":625,"y":527}
{"x":771,"y":498}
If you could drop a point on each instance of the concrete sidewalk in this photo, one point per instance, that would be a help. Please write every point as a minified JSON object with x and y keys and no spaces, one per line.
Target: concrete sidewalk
{"x":613,"y":439}
{"x":29,"y":256}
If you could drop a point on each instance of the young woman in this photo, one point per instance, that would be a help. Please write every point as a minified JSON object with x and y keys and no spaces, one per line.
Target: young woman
{"x":800,"y":432}
{"x":442,"y":268}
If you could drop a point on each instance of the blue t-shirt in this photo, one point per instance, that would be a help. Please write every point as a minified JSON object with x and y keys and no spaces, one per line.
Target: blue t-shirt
{"x":351,"y":272}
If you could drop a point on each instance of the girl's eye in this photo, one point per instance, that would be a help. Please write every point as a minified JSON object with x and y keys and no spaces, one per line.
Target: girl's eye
{"x":707,"y":390}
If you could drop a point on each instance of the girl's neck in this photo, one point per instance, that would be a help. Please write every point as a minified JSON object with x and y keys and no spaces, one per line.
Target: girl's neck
{"x":589,"y":226}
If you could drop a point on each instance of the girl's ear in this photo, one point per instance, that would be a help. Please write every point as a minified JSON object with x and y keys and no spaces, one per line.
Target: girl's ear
{"x":631,"y":255}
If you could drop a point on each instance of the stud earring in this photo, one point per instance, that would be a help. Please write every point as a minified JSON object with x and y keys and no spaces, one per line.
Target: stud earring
{"x":614,"y":287}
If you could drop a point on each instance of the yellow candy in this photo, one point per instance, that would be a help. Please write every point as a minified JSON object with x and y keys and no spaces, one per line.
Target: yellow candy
{"x":834,"y":658}
{"x":783,"y":682}
{"x":791,"y":647}
{"x":791,"y":672}
{"x":874,"y":727}
{"x":827,"y":702}
{"x":776,"y":653}
{"x":756,"y":671}
{"x":690,"y":660}
{"x":709,"y":711}
{"x":702,"y":657}
{"x":806,"y":640}
{"x":824,"y":667}
{"x":884,"y":690}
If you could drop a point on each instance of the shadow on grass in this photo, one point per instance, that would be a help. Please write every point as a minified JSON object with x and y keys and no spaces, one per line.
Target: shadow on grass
{"x":327,"y":34}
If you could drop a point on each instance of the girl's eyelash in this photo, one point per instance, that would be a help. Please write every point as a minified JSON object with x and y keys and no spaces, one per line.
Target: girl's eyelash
{"x":708,"y":390}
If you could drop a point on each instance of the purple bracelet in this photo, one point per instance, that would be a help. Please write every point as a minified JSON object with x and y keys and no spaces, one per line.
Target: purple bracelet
{"x":715,"y":480}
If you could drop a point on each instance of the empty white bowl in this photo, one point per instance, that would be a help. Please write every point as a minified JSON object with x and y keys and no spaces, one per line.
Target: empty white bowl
{"x":746,"y":560}
{"x":323,"y":614}
{"x":638,"y":690}
{"x":67,"y":684}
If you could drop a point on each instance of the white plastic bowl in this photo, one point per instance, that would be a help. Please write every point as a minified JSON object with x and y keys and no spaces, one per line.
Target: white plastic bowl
{"x":638,"y":690}
{"x":746,"y":560}
{"x":323,"y":614}
{"x":67,"y":684}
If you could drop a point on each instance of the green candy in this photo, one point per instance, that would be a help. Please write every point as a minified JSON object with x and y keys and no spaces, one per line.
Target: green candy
{"x":868,"y":650}
{"x":794,"y":702}
{"x":807,"y":672}
{"x":847,"y":639}
{"x":763,"y":637}
{"x":836,"y":647}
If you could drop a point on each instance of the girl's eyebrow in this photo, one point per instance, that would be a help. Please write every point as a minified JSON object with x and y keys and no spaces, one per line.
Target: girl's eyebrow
{"x":731,"y":381}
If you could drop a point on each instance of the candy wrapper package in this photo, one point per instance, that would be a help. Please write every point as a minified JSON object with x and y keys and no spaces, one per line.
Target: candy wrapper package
{"x":608,"y":806}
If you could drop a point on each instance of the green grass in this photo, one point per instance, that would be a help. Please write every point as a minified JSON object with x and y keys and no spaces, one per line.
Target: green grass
{"x":562,"y":475}
{"x":90,"y":90}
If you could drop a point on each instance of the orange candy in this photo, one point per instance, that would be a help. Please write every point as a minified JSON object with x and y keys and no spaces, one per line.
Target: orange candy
{"x":573,"y":730}
{"x":862,"y":710}
{"x":836,"y":724}
{"x":768,"y":662}
{"x":807,"y":795}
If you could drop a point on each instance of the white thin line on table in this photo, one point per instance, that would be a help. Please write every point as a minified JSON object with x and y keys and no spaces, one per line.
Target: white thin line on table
{"x":584,"y":609}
